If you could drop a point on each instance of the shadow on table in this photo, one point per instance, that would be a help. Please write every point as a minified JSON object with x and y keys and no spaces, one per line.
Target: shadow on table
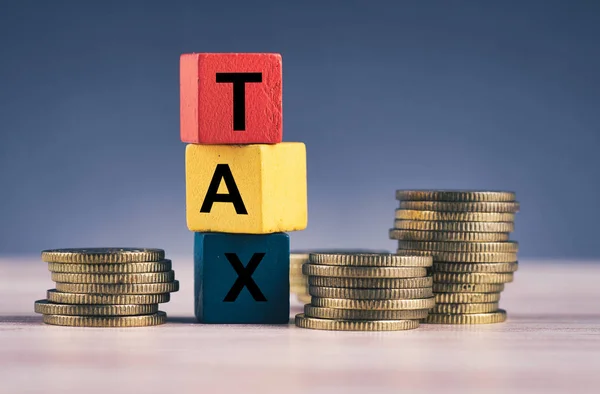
{"x":16,"y":319}
{"x":192,"y":320}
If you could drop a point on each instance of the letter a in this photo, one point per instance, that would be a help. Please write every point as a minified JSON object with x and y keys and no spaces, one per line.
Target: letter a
{"x":223,"y":172}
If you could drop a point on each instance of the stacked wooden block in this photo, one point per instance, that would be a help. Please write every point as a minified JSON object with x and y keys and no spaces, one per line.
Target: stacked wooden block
{"x":245,"y":188}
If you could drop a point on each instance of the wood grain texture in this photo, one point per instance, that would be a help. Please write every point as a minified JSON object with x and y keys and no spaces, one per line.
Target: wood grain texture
{"x":206,"y":106}
{"x":550,"y":344}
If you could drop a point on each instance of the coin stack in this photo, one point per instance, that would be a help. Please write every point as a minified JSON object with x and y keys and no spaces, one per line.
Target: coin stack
{"x":299,"y":281}
{"x":107,"y":287}
{"x":467,"y":234}
{"x":366,"y":292}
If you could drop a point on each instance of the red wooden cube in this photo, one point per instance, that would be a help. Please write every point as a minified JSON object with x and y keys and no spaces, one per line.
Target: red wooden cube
{"x":231,"y":98}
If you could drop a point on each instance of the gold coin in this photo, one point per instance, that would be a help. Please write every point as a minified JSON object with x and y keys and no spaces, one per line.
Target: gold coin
{"x":369,"y":260}
{"x":455,"y":195}
{"x":371,"y":283}
{"x":299,"y":257}
{"x":363,"y":272}
{"x":299,"y":289}
{"x":412,"y":235}
{"x":466,"y":308}
{"x":464,"y":227}
{"x":504,"y":247}
{"x":137,"y":288}
{"x":468,"y":287}
{"x":341,"y":303}
{"x":303,"y":298}
{"x":296,"y":270}
{"x":369,"y":294}
{"x":354,"y":314}
{"x":463,"y":257}
{"x":469,"y":318}
{"x":474,"y":277}
{"x":466,"y":298}
{"x":475,"y":267}
{"x":127,"y":268}
{"x":153,"y":277}
{"x":303,"y":321}
{"x":102,"y":255}
{"x":48,"y":308}
{"x":106,"y":299}
{"x":299,"y":281}
{"x":443,"y":206}
{"x":107,"y":321}
{"x":411,"y":214}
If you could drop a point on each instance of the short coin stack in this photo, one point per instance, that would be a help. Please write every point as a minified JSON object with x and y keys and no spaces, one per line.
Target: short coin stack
{"x":299,"y":281}
{"x":366,"y":292}
{"x":467,"y":234}
{"x":107,"y":287}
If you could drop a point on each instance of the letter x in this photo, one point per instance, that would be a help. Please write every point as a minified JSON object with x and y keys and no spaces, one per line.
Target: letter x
{"x":244,"y":277}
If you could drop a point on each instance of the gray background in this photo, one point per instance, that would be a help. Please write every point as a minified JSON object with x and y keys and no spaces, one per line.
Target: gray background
{"x":386,"y":95}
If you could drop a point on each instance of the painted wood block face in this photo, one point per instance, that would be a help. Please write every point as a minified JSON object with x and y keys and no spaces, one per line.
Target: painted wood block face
{"x":231,"y":98}
{"x":248,"y":189}
{"x":241,"y":278}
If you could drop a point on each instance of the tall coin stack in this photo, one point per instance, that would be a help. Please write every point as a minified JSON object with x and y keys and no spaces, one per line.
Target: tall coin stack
{"x":467,"y":234}
{"x":366,"y":292}
{"x":107,"y":287}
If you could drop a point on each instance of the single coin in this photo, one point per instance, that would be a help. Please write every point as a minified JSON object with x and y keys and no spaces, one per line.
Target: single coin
{"x":127,"y":268}
{"x":299,"y":289}
{"x":314,"y":323}
{"x":137,"y":288}
{"x":464,"y":227}
{"x":469,"y":318}
{"x":468,"y":287}
{"x":466,"y":308}
{"x":299,"y":281}
{"x":369,"y":294}
{"x":106,"y":299}
{"x":299,"y":257}
{"x":443,"y":206}
{"x":504,"y":247}
{"x":297,"y":262}
{"x":411,"y":214}
{"x":466,"y":298}
{"x":475,"y":267}
{"x":303,"y":298}
{"x":153,"y":277}
{"x":102,"y":255}
{"x":107,"y":321}
{"x":463,"y":257}
{"x":341,"y":303}
{"x":47,"y":308}
{"x":363,"y":272}
{"x":455,"y":195}
{"x":414,"y":235}
{"x":354,"y":314}
{"x":371,"y":283}
{"x":475,"y":277}
{"x":369,"y":260}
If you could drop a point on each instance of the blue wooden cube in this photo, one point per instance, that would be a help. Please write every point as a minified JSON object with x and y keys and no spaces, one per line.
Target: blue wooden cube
{"x":242,"y":278}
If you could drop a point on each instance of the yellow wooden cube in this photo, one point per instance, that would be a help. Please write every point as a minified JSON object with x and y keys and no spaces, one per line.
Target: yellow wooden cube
{"x":253,"y":189}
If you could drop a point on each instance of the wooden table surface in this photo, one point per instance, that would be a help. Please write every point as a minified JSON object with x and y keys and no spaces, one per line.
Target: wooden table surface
{"x":550,"y":344}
